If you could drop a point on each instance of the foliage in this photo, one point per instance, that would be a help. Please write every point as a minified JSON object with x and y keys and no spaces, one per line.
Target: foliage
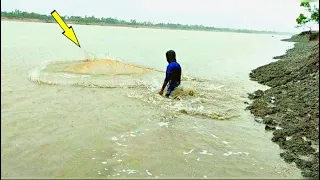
{"x":302,"y":20}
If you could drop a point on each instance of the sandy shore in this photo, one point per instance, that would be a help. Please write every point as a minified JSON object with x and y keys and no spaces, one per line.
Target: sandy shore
{"x":290,"y":107}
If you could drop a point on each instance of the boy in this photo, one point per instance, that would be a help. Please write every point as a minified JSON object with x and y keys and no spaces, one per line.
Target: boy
{"x":173,"y":74}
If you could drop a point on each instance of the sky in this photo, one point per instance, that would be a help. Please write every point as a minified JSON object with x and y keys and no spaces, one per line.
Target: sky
{"x":272,"y":15}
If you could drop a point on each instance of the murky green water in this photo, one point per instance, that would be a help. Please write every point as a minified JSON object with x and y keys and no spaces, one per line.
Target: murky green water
{"x":56,"y":123}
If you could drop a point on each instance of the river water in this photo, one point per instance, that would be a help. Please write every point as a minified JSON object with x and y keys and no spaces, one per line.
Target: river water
{"x":94,"y":111}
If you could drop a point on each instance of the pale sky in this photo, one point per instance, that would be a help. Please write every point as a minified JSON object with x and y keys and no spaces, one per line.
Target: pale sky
{"x":274,"y":15}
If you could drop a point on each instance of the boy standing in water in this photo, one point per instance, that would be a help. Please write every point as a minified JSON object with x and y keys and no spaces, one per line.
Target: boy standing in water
{"x":173,"y":74}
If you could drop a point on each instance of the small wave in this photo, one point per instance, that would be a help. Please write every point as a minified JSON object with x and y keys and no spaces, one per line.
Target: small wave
{"x":183,"y":101}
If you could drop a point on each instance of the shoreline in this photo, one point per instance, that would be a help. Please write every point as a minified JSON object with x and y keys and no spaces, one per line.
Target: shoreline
{"x":290,"y":106}
{"x":137,"y":26}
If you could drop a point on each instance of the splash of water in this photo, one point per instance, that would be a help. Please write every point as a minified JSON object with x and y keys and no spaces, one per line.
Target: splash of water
{"x":197,"y":97}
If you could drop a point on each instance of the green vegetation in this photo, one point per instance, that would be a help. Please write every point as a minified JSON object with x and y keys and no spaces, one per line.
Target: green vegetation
{"x":302,"y":20}
{"x":17,"y":14}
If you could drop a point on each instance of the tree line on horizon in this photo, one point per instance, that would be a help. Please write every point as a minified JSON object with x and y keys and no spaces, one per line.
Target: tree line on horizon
{"x":114,"y":21}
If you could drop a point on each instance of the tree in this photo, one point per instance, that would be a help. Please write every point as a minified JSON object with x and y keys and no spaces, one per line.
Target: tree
{"x":302,"y":20}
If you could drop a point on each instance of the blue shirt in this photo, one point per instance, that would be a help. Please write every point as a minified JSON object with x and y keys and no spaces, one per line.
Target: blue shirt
{"x":173,"y":73}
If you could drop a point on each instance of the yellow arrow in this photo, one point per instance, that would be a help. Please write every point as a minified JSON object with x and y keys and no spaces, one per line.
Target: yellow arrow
{"x":67,"y":31}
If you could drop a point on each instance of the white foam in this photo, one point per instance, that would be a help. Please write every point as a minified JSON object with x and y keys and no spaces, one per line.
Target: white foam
{"x":214,"y":136}
{"x":225,"y":142}
{"x":205,"y":152}
{"x":131,"y":171}
{"x":237,"y":153}
{"x":114,"y":138}
{"x":191,"y":105}
{"x":234,"y":153}
{"x":228,"y":153}
{"x":188,"y":152}
{"x":148,"y":173}
{"x":163,"y":124}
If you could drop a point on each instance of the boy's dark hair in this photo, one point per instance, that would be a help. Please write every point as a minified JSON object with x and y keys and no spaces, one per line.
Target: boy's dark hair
{"x":171,"y":56}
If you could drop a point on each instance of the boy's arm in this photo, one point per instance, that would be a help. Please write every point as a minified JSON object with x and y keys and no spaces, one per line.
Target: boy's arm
{"x":163,"y":86}
{"x":166,"y":80}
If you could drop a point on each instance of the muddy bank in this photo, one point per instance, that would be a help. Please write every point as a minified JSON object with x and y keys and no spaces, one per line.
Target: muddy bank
{"x":290,"y":106}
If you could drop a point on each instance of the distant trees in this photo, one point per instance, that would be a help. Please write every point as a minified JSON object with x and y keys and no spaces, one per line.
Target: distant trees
{"x":20,"y":14}
{"x":302,"y":20}
{"x":93,"y":20}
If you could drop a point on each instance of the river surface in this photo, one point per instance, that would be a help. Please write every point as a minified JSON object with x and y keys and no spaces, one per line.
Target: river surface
{"x":94,"y":111}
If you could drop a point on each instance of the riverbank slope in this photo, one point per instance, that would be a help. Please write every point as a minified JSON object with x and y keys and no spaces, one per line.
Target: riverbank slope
{"x":290,"y":108}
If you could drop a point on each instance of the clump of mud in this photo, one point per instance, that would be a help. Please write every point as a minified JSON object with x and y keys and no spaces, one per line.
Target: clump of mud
{"x":291,"y":106}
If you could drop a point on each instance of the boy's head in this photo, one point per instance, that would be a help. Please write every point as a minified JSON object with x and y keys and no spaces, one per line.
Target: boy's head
{"x":171,"y":56}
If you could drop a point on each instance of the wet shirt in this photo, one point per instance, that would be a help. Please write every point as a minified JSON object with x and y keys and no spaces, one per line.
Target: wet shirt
{"x":173,"y":73}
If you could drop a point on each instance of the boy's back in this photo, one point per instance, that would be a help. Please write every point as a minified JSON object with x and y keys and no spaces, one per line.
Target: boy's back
{"x":173,"y":73}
